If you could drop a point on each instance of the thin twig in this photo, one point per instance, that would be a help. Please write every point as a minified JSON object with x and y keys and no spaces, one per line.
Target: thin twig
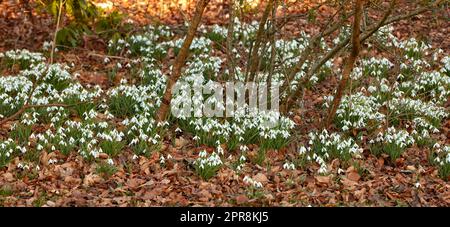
{"x":56,"y":31}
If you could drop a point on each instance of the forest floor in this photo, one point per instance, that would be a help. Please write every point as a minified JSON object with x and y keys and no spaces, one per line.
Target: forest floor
{"x":410,"y":181}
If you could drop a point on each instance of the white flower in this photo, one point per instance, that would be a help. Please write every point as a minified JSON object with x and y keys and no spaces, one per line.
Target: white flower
{"x":289,"y":166}
{"x":110,"y":161}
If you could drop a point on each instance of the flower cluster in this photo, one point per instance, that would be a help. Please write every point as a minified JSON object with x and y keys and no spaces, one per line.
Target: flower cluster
{"x":207,"y":165}
{"x":127,"y":100}
{"x":13,"y":93}
{"x":248,"y":180}
{"x":81,"y":98}
{"x":441,"y":158}
{"x":376,"y":67}
{"x":412,"y":48}
{"x":324,"y":146}
{"x":7,"y":148}
{"x":143,"y":133}
{"x":268,"y":129}
{"x":408,"y":109}
{"x":24,"y":58}
{"x":392,"y":142}
{"x":358,"y":111}
{"x":111,"y":142}
{"x":430,"y":85}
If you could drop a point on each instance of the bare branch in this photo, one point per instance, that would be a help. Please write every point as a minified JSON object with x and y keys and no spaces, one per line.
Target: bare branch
{"x":254,"y":58}
{"x":56,"y":31}
{"x":370,"y":31}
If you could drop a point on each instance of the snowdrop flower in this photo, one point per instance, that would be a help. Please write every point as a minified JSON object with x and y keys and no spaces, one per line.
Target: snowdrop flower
{"x":110,"y":161}
{"x":289,"y":166}
{"x":249,"y":180}
{"x":302,"y":150}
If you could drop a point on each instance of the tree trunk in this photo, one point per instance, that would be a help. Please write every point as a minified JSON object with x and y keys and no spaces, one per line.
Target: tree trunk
{"x":230,"y":35}
{"x":180,"y":60}
{"x":350,"y":62}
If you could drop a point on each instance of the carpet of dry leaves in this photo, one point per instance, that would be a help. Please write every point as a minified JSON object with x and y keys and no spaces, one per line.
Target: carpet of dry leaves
{"x":411,"y":181}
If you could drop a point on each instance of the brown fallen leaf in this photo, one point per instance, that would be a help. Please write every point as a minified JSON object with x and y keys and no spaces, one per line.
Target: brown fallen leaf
{"x":411,"y":168}
{"x":51,"y":203}
{"x":165,"y":181}
{"x":134,"y":183}
{"x":241,"y":199}
{"x":323,"y":179}
{"x":180,"y":142}
{"x":353,"y":176}
{"x":72,"y":180}
{"x":91,"y":179}
{"x":297,"y":119}
{"x":348,"y":184}
{"x":103,"y":156}
{"x":8,"y":177}
{"x":380,"y":162}
{"x":360,"y":194}
{"x":44,"y":158}
{"x":205,"y":194}
{"x":261,"y":178}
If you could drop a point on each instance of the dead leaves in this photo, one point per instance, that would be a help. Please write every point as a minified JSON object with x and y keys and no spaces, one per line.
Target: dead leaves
{"x":178,"y":185}
{"x":94,"y":78}
{"x":323,"y":180}
{"x":241,"y":199}
{"x":91,"y":180}
{"x":72,"y":180}
{"x":8,"y":177}
{"x":180,"y":142}
{"x":353,"y":176}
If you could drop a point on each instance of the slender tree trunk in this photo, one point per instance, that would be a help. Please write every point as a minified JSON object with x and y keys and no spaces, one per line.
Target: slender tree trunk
{"x":181,"y":60}
{"x":350,"y":62}
{"x":273,"y":49}
{"x":254,"y":58}
{"x":230,"y":35}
